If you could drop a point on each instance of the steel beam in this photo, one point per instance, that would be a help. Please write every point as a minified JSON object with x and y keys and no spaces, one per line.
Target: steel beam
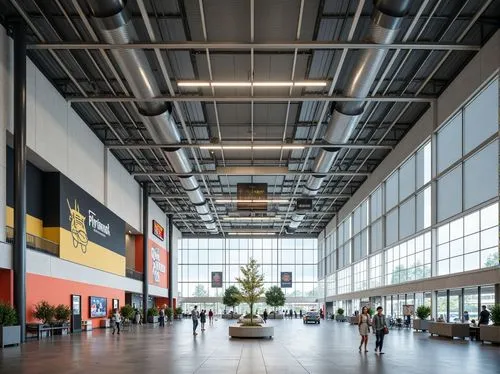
{"x":254,"y":147}
{"x":160,"y":196}
{"x":145,"y":250}
{"x":235,"y":173}
{"x":241,"y":99}
{"x":256,"y":46}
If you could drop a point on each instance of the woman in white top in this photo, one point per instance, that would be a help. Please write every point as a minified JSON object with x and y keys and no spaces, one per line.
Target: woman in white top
{"x":116,"y":321}
{"x":364,"y":327}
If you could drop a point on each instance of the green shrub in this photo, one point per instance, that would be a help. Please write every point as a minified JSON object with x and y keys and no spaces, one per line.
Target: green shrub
{"x":44,"y":312}
{"x":340,"y":311}
{"x":127,"y":312}
{"x":153,"y":312}
{"x":8,"y":316}
{"x":169,"y":312}
{"x":423,"y":312}
{"x":495,"y":314}
{"x":178,"y":311}
{"x":62,"y":313}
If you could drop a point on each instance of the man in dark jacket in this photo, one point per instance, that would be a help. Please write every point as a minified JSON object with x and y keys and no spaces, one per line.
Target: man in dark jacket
{"x":484,"y":317}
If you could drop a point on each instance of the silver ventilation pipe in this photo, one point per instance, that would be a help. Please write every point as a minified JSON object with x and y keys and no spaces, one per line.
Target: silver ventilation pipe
{"x":115,"y":27}
{"x":386,"y":20}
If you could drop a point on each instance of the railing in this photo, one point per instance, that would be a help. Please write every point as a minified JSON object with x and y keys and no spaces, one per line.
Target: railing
{"x":34,"y":242}
{"x":131,"y":273}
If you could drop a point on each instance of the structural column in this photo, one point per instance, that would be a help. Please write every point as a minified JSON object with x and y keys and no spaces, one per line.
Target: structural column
{"x":145,"y":257}
{"x":20,"y":175}
{"x":170,"y":261}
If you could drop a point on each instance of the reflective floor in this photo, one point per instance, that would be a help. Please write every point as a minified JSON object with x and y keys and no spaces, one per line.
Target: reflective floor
{"x":296,"y":348}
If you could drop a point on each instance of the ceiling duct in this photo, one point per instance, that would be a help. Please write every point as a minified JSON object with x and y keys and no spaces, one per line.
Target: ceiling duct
{"x":115,"y":27}
{"x":386,"y":20}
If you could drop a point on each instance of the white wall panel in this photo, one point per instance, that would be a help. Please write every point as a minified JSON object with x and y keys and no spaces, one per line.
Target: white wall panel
{"x":85,"y":157}
{"x":123,"y":193}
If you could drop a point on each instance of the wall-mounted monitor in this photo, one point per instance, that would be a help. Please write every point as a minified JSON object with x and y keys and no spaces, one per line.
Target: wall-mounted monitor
{"x":98,"y":306}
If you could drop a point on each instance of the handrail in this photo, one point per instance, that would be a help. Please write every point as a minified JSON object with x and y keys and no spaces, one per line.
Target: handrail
{"x":34,"y":242}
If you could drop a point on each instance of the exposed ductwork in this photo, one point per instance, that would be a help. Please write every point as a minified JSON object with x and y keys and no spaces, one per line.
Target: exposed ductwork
{"x":115,"y":26}
{"x":386,"y":20}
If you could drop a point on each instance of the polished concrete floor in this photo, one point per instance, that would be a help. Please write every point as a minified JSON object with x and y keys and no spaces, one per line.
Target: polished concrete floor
{"x":296,"y":348}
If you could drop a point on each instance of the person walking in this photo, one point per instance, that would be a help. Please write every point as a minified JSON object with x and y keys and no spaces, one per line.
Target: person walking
{"x":194,"y":316}
{"x":290,"y":314}
{"x":203,"y":319}
{"x":265,"y":315}
{"x":117,"y":319}
{"x":161,"y":318}
{"x":484,"y":317}
{"x":210,"y":317}
{"x":364,"y":327}
{"x":379,"y":329}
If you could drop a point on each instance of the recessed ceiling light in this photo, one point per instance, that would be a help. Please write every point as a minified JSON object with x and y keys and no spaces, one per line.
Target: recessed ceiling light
{"x":231,"y":84}
{"x":273,"y":84}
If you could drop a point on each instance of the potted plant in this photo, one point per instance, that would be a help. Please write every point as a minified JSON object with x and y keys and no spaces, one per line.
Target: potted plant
{"x":169,"y":312}
{"x":231,"y":299}
{"x":62,"y":314}
{"x":127,"y":312}
{"x":491,"y":333}
{"x":251,"y":289}
{"x":153,"y":314}
{"x":44,"y":312}
{"x":275,"y":298}
{"x":422,"y":323}
{"x":178,"y":313}
{"x":10,"y":332}
{"x":340,"y":315}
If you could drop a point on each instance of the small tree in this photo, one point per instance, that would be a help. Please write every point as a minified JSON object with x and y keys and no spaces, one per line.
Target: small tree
{"x":251,"y":285}
{"x":231,"y":297}
{"x":44,"y":312}
{"x":495,"y":314}
{"x":423,"y":312}
{"x":62,"y":313}
{"x":127,"y":312}
{"x":275,"y":298}
{"x":340,"y":311}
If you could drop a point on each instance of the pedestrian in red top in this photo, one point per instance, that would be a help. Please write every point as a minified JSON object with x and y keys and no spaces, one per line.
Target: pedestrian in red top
{"x":210,"y":317}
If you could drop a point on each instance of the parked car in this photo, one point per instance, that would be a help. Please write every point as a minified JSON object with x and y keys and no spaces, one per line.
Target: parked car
{"x":311,"y":316}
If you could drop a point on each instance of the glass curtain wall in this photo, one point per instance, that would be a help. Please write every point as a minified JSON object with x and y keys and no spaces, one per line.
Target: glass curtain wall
{"x":200,"y":258}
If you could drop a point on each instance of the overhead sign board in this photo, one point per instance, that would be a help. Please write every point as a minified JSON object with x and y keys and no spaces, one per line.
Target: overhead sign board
{"x":304,"y":204}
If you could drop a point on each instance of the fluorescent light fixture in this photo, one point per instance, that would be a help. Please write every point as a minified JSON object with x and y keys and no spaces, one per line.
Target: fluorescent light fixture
{"x":256,"y":147}
{"x":310,"y":84}
{"x":252,"y":233}
{"x":193,"y":84}
{"x":231,"y":84}
{"x":252,"y":218}
{"x":229,"y":201}
{"x":272,"y":84}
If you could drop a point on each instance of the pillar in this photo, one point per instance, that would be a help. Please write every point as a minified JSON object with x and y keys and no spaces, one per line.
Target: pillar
{"x":170,"y":261}
{"x":19,"y":255}
{"x":145,"y":257}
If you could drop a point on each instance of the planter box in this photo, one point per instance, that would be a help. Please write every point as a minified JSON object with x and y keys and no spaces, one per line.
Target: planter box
{"x":251,"y":332}
{"x":153,"y":319}
{"x":451,"y":330}
{"x":421,"y":324}
{"x":490,"y":334}
{"x":340,"y":318}
{"x":10,"y":335}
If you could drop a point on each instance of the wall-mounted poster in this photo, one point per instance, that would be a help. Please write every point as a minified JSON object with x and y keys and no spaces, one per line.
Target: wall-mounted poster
{"x":116,"y":304}
{"x":408,"y":310}
{"x":76,"y":313}
{"x":216,"y":279}
{"x":286,"y":279}
{"x":98,"y":306}
{"x":158,"y":230}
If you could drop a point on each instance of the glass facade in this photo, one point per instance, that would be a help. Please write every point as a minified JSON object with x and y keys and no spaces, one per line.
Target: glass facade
{"x":436,"y":214}
{"x":200,"y":257}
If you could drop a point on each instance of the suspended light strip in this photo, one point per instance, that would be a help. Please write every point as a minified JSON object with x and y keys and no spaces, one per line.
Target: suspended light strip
{"x":275,"y":201}
{"x":250,"y":84}
{"x":256,"y":147}
{"x":252,"y":218}
{"x":252,"y":233}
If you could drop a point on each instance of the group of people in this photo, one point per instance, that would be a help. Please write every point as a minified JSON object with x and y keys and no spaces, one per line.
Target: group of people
{"x":377,"y":324}
{"x":484,"y":317}
{"x":202,"y":318}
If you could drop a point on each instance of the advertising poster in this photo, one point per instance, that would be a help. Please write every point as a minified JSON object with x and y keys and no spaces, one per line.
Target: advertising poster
{"x":76,"y":304}
{"x":158,"y":230}
{"x":408,"y":310}
{"x":286,"y":279}
{"x":216,"y":279}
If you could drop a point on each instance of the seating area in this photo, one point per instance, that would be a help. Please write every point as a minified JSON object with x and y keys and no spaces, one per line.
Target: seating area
{"x":37,"y":330}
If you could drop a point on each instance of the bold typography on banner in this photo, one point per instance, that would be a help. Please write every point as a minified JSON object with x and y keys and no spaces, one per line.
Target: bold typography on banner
{"x":158,"y":267}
